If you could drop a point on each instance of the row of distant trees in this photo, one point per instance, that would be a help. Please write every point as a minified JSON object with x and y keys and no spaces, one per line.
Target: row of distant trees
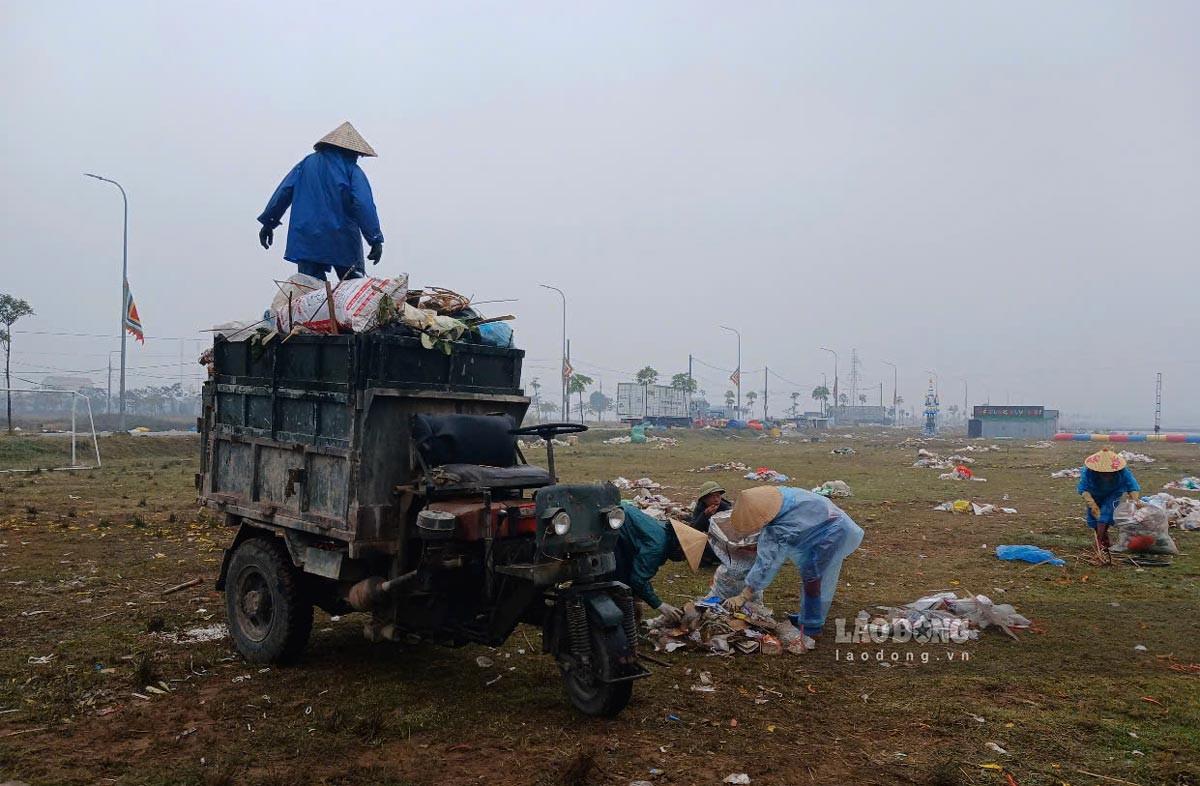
{"x":597,"y":403}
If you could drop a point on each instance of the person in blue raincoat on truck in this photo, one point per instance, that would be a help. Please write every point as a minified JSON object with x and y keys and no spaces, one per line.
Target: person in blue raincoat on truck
{"x":804,"y":528}
{"x":333,"y":209}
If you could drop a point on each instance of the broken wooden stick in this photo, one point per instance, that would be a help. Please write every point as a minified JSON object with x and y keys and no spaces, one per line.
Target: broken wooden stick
{"x":183,"y":586}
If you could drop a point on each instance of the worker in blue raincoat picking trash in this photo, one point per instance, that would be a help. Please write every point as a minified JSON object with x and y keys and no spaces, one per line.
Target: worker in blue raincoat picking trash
{"x":644,"y":545}
{"x":805,"y":528}
{"x":1103,"y":481}
{"x":333,"y":209}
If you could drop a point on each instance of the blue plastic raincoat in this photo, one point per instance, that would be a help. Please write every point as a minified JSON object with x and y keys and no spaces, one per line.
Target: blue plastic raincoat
{"x":332,"y":210}
{"x":644,"y":545}
{"x":816,"y":536}
{"x":1106,"y":488}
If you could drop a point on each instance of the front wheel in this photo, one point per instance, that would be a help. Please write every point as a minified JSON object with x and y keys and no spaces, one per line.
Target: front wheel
{"x":270,"y":616}
{"x":585,"y":688}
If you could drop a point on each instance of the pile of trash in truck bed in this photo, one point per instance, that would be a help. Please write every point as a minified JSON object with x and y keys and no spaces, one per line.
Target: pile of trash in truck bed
{"x":307,"y":305}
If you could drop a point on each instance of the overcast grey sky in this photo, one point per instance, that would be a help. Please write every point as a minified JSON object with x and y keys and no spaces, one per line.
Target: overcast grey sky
{"x":1005,"y":192}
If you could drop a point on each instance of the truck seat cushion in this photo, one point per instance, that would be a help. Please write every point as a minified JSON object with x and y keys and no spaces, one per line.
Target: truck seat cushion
{"x":519,"y":476}
{"x":465,"y":439}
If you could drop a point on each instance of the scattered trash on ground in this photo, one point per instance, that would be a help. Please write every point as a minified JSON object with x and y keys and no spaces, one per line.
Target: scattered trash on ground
{"x":766,"y":475}
{"x":567,"y":441}
{"x":1025,"y":553}
{"x":1186,"y":484}
{"x":974,"y":508}
{"x":196,"y":635}
{"x":836,"y":489}
{"x":739,"y":778}
{"x":841,"y":452}
{"x":484,"y":662}
{"x":961,"y":473}
{"x":1135,"y":458}
{"x":1071,"y":472}
{"x":708,"y":627}
{"x":1183,"y":512}
{"x":947,"y":612}
{"x":728,"y":466}
{"x":665,"y":441}
{"x":641,"y":483}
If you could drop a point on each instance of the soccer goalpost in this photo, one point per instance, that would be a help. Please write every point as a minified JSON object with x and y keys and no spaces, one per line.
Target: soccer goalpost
{"x":75,"y":448}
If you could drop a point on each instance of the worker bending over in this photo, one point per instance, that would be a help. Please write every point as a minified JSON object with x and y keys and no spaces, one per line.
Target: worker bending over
{"x":645,"y":544}
{"x":803,"y":527}
{"x":1104,"y":479}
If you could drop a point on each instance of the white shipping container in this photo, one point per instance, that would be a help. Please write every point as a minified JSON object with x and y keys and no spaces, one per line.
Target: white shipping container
{"x":635,"y":402}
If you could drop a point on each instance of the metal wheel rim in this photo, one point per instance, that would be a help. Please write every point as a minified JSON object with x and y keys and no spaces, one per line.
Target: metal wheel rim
{"x":255,"y":605}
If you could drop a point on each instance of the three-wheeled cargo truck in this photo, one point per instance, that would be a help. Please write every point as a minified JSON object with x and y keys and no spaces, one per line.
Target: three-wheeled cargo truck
{"x":367,"y":473}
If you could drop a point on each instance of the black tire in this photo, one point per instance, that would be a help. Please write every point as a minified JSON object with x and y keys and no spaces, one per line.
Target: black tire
{"x":586,"y":692}
{"x":269,"y":614}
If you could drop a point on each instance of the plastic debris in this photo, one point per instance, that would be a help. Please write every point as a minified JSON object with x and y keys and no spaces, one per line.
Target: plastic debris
{"x":484,"y":662}
{"x":1026,"y":553}
{"x":947,"y":612}
{"x":1070,"y":472}
{"x":641,"y":483}
{"x":834,"y":488}
{"x":974,"y":508}
{"x":1188,"y":484}
{"x":993,"y":746}
{"x":728,"y":466}
{"x":1140,"y":648}
{"x":740,"y":778}
{"x":961,"y":473}
{"x":766,"y":475}
{"x":1142,"y":529}
{"x":1135,"y":458}
{"x":843,"y":452}
{"x":709,"y":627}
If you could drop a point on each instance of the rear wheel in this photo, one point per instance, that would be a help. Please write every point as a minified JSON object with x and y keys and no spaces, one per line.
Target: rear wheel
{"x":584,"y":687}
{"x":270,"y":616}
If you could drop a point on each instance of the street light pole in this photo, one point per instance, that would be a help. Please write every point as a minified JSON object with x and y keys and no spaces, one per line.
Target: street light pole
{"x":895,"y":379}
{"x":739,"y":366}
{"x":835,"y":375}
{"x":124,"y":285}
{"x":563,"y":369}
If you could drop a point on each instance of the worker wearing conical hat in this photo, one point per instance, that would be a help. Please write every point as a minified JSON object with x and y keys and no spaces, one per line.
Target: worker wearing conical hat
{"x":1104,"y":479}
{"x":333,"y":209}
{"x":644,"y":545}
{"x":805,"y":528}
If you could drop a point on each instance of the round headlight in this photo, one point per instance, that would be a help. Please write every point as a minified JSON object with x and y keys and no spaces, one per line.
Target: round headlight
{"x":616,"y":517}
{"x":561,"y":523}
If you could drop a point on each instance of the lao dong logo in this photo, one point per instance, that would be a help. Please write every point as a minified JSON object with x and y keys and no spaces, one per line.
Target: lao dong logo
{"x":923,"y":630}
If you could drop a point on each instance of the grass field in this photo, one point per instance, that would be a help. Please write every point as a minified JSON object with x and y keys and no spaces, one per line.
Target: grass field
{"x":85,"y":556}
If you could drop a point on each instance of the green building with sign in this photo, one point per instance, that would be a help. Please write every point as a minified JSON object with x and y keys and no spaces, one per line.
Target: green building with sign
{"x":1007,"y":421}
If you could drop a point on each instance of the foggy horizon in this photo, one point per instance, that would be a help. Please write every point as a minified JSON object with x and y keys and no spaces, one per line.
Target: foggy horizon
{"x":1003,"y":194}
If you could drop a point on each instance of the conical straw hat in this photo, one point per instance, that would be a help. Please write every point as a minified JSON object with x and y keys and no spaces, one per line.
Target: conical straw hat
{"x":1104,"y":461}
{"x":691,"y":541}
{"x":754,"y":508}
{"x":347,"y":137}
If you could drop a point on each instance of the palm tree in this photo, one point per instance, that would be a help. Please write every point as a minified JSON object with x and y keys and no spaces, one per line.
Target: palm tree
{"x":795,"y":410}
{"x":537,"y":397}
{"x":647,"y":376}
{"x":821,"y":393}
{"x":578,"y":383}
{"x":729,"y":399}
{"x":750,"y":399}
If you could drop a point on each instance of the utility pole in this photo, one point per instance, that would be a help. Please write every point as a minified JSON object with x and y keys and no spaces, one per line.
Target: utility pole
{"x":835,"y":378}
{"x":124,"y":285}
{"x":566,"y":393}
{"x":565,"y":350}
{"x":766,"y":371}
{"x":1158,"y":404}
{"x":895,"y":382}
{"x":688,"y":393}
{"x":738,"y":371}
